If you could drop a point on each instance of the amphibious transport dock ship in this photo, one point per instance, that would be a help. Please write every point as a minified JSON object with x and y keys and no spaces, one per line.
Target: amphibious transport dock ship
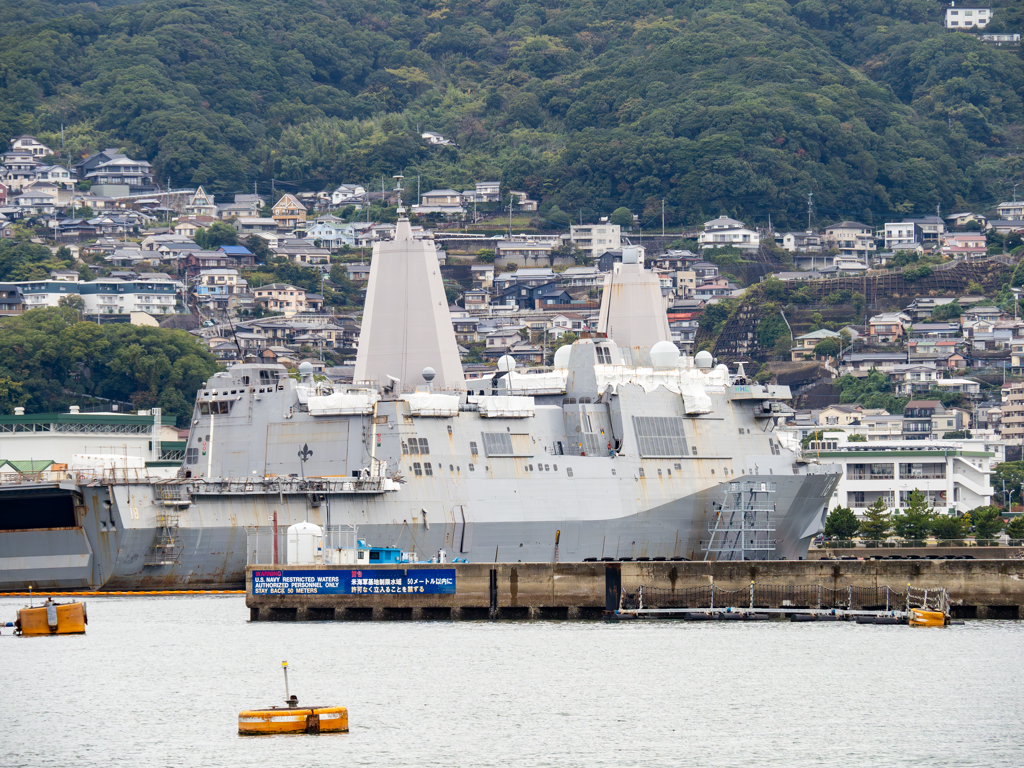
{"x":626,"y":449}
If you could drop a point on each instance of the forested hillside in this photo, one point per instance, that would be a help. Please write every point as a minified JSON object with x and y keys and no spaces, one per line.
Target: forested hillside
{"x":711,"y":105}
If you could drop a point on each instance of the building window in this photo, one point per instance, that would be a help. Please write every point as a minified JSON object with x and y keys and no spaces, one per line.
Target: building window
{"x":417,"y":470}
{"x":428,"y":469}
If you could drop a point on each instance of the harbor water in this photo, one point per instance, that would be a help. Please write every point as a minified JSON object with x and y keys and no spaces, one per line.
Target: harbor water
{"x":159,"y":681}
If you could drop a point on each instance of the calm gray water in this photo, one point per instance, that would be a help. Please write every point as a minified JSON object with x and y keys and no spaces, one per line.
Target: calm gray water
{"x":160,"y":681}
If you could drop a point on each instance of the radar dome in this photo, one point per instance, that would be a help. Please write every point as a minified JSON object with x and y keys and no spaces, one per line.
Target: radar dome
{"x":306,"y":369}
{"x":664,"y":354}
{"x":562,"y":356}
{"x":428,"y":374}
{"x":703,"y":360}
{"x":506,"y":363}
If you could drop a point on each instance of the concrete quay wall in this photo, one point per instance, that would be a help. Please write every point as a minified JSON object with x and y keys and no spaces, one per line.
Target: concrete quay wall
{"x":978,"y":588}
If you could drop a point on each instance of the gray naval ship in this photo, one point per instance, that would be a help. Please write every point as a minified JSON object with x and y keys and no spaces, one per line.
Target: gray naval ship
{"x":624,"y":449}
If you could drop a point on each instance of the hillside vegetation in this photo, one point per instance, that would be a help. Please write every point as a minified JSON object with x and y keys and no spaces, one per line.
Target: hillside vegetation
{"x":710,"y":105}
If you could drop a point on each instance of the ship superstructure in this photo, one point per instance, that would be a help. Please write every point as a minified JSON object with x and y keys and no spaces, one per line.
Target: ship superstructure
{"x":618,"y":451}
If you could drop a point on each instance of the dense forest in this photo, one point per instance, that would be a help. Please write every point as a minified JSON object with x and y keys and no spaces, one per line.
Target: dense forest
{"x":710,"y":105}
{"x":50,"y":359}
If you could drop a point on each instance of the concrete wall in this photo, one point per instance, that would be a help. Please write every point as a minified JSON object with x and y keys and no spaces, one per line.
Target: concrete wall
{"x":978,"y":588}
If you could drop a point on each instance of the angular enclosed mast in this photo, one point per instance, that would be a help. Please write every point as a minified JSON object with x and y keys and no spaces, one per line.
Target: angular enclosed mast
{"x":632,"y":307}
{"x":406,"y":324}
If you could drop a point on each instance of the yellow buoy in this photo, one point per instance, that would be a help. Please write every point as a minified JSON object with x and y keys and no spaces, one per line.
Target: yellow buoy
{"x":255,"y":722}
{"x":919,"y":618}
{"x":52,"y":619}
{"x":293,"y":718}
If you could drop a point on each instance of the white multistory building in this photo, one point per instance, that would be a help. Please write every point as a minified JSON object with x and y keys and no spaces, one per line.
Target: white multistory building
{"x":953,"y":475}
{"x":967,"y":16}
{"x":595,"y":239}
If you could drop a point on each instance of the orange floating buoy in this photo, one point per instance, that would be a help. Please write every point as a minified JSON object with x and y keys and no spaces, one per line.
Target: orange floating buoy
{"x":292,"y":718}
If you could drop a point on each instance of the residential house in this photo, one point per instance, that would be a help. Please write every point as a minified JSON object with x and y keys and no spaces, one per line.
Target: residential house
{"x":1013,"y":210}
{"x":348,"y":194}
{"x":466,"y":329}
{"x":965,"y":245}
{"x":922,"y":307}
{"x":483,"y":275}
{"x":840,"y":415}
{"x":887,"y":328}
{"x":307,"y":253}
{"x":331,"y":235}
{"x":863,"y":362}
{"x":914,"y":378}
{"x":502,"y":339}
{"x":20,"y":170}
{"x":595,"y":239}
{"x":805,"y":242}
{"x":570,"y":322}
{"x":447,"y":201}
{"x":1006,"y":226}
{"x":524,"y":251}
{"x":57,"y":175}
{"x":187,"y":228}
{"x":1012,"y":412}
{"x":967,"y":17}
{"x":31,"y":145}
{"x":534,"y":297}
{"x":111,"y":168}
{"x":358,"y":273}
{"x":436,"y":139}
{"x":477,"y":299}
{"x":195,"y":262}
{"x":804,"y":345}
{"x":105,"y":296}
{"x":851,"y":238}
{"x":935,"y":330}
{"x":4,"y":190}
{"x":254,"y":225}
{"x":918,"y":417}
{"x":523,"y":202}
{"x":289,"y":213}
{"x":684,"y":326}
{"x":582,"y":277}
{"x":12,"y":302}
{"x":903,"y":236}
{"x":723,"y":231}
{"x":279,"y":297}
{"x":525,"y":277}
{"x":201,"y":204}
{"x":485,"y":192}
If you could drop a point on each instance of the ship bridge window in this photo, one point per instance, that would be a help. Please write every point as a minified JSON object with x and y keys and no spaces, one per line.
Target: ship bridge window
{"x":417,"y":446}
{"x":191,"y":455}
{"x":604,"y":355}
{"x":417,"y":469}
{"x":428,"y":469}
{"x":215,"y":407}
{"x":473,"y":449}
{"x":266,"y":377}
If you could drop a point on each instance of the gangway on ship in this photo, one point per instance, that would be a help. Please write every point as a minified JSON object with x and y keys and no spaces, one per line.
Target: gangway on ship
{"x":742,"y":528}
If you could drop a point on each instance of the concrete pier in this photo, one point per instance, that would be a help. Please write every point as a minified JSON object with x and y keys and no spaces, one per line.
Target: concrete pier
{"x":978,"y":589}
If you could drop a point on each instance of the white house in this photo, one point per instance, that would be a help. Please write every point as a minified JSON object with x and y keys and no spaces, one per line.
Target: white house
{"x":1014,"y":210}
{"x":967,"y":16}
{"x":331,"y":236}
{"x":201,"y":204}
{"x":724,"y":232}
{"x":851,"y":238}
{"x":902,"y":236}
{"x":347,"y":194}
{"x":31,"y":145}
{"x":440,"y":201}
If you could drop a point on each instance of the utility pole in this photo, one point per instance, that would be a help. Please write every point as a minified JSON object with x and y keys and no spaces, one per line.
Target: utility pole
{"x":1015,"y":192}
{"x":810,"y":204}
{"x":662,"y":218}
{"x":510,"y":198}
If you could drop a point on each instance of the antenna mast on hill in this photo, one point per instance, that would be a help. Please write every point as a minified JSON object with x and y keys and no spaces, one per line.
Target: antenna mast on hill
{"x":810,"y":207}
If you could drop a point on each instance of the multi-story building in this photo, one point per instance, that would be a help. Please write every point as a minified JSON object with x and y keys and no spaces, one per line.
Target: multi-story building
{"x":930,"y":419}
{"x":106,"y":296}
{"x":955,"y":477}
{"x":202,"y":204}
{"x":31,"y":145}
{"x":595,"y":239}
{"x":1014,"y":210}
{"x":888,"y":327}
{"x":967,"y":16}
{"x":111,"y":168}
{"x":851,"y":238}
{"x":902,"y":236}
{"x":278,"y":297}
{"x":1012,"y":412}
{"x":289,"y":213}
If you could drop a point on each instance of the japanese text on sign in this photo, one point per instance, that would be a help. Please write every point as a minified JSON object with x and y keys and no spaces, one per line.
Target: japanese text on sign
{"x":396,"y":582}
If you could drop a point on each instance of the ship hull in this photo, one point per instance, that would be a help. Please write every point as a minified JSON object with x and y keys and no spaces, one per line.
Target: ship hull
{"x":218,"y":535}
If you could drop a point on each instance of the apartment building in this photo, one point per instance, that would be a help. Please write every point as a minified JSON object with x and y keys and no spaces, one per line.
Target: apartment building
{"x":595,"y":239}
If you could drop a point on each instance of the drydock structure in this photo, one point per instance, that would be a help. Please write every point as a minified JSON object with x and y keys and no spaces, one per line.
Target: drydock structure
{"x":623,"y":449}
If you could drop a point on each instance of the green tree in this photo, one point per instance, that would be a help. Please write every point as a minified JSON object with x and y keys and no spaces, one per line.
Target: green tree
{"x":857,"y":438}
{"x":622,"y":216}
{"x":877,"y":521}
{"x":826,"y":348}
{"x":219,"y":233}
{"x":987,"y":522}
{"x":950,"y":528}
{"x":259,"y":249}
{"x":485,"y":256}
{"x":841,"y":524}
{"x":1015,"y":528}
{"x":73,"y":301}
{"x":558,"y":218}
{"x":914,"y":521}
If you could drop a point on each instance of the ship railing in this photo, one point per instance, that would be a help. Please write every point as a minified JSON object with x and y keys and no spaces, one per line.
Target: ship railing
{"x":740,"y":525}
{"x":797,"y":596}
{"x":99,"y":476}
{"x":759,"y":545}
{"x":290,"y":485}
